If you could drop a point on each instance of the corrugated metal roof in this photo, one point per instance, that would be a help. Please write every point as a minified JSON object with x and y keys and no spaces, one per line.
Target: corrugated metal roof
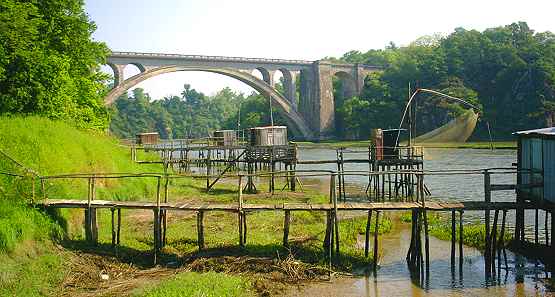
{"x":543,"y":131}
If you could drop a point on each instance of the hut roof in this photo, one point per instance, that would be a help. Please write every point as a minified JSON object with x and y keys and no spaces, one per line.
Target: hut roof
{"x":543,"y":131}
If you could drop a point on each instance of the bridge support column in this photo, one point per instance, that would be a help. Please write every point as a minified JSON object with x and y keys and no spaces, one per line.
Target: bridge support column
{"x":291,"y":90}
{"x":359,"y":76}
{"x":325,"y":106}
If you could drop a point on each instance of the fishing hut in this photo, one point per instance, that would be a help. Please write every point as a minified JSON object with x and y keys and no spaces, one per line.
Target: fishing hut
{"x":269,"y":147}
{"x":536,"y":179}
{"x":147,"y":138}
{"x":395,"y":161}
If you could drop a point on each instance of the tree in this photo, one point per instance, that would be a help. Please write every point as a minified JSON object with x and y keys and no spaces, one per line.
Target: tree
{"x":49,"y":63}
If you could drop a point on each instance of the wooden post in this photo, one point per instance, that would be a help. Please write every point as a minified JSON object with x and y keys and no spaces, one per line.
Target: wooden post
{"x":376,"y":229}
{"x":335,"y":215}
{"x":502,"y":239}
{"x":411,"y":251}
{"x":200,"y":230}
{"x":244,"y":228}
{"x":164,"y":212}
{"x":494,"y":240}
{"x":113,"y":227}
{"x":329,"y":233}
{"x":461,"y":241}
{"x":487,"y":252}
{"x":208,"y":167}
{"x":367,"y":237}
{"x":453,"y":237}
{"x":119,"y":227}
{"x":286,"y":223}
{"x":240,"y":211}
{"x":420,"y":193}
{"x":156,"y":234}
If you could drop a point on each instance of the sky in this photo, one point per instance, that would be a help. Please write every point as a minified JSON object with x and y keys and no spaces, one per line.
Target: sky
{"x":288,"y":29}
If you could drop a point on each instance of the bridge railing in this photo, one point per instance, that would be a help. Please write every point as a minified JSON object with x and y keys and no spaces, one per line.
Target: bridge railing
{"x":204,"y":57}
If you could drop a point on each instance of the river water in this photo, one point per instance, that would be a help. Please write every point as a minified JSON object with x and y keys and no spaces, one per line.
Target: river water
{"x":522,"y":277}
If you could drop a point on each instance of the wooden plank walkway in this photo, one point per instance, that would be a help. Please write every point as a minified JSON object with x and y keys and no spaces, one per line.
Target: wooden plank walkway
{"x":205,"y":206}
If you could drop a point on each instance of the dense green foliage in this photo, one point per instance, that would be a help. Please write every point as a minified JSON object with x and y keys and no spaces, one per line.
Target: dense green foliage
{"x":49,"y":63}
{"x":509,"y":71}
{"x":191,"y":115}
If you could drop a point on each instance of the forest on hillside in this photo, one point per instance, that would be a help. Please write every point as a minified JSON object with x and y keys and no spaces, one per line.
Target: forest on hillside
{"x":508,"y":71}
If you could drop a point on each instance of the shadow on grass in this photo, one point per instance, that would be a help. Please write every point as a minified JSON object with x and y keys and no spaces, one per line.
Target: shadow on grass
{"x":312,"y":254}
{"x":213,"y":191}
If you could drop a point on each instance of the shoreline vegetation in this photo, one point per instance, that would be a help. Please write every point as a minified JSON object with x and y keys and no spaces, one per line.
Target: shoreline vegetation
{"x":447,"y":145}
{"x":50,"y":257}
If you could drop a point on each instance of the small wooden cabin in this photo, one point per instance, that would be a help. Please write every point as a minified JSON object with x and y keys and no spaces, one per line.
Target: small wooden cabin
{"x":147,"y":138}
{"x":385,"y":142}
{"x":268,"y":136}
{"x":225,"y":137}
{"x":536,"y":164}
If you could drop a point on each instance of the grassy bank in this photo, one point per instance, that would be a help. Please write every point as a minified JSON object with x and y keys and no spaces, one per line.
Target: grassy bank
{"x":43,"y":251}
{"x":365,"y":143}
{"x":194,"y":284}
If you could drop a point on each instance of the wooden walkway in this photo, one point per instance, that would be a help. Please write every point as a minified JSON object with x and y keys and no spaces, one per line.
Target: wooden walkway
{"x":233,"y":207}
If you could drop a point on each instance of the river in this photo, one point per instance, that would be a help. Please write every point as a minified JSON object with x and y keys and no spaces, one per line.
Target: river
{"x":522,"y":278}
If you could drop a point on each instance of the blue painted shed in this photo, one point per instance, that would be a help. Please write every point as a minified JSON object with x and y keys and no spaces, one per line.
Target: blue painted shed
{"x":536,"y":164}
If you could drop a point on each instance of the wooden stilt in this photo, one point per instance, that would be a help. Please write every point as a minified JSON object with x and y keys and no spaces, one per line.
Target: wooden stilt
{"x":200,"y":230}
{"x":112,"y":210}
{"x":494,"y":240}
{"x":426,"y":242}
{"x":376,"y":229}
{"x":244,"y":228}
{"x":461,"y":234}
{"x":156,"y":226}
{"x":453,"y":237}
{"x":487,"y":252}
{"x":367,"y":234}
{"x":286,"y":223}
{"x":119,"y":228}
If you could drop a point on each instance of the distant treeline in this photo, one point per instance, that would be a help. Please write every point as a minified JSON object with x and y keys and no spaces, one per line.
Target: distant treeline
{"x":190,"y":115}
{"x":509,"y":72}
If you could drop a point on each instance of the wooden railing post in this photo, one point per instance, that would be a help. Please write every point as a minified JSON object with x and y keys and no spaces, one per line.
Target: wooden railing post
{"x":487,"y":196}
{"x":240,"y":211}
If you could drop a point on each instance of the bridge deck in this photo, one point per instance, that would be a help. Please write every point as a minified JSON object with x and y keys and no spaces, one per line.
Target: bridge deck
{"x":204,"y":206}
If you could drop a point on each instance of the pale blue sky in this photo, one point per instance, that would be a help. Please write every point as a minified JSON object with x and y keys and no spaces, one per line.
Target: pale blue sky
{"x":290,"y":29}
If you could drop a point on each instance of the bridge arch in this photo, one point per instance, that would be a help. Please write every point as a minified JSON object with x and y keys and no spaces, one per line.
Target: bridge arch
{"x":267,"y":76}
{"x":347,"y":84}
{"x":293,"y":118}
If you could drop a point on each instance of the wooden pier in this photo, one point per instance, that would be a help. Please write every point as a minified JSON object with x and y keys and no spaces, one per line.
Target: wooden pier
{"x":416,"y":203}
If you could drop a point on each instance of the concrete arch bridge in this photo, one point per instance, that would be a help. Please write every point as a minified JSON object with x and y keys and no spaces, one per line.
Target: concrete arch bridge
{"x":311,"y":116}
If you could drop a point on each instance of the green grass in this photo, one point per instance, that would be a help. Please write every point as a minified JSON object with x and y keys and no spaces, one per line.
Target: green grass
{"x":32,"y":269}
{"x":192,"y":284}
